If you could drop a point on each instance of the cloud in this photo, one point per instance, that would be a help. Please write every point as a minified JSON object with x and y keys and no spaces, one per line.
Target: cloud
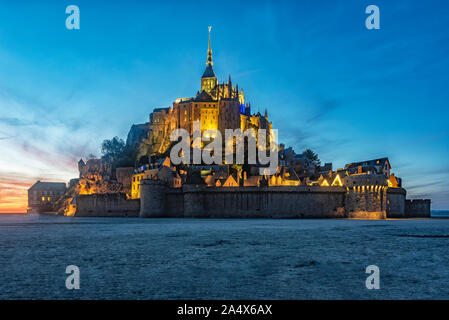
{"x":296,"y":137}
{"x":37,"y":143}
{"x":421,"y":186}
{"x":16,"y":122}
{"x":13,"y":192}
{"x":245,"y":73}
{"x":321,"y":110}
{"x":313,"y":127}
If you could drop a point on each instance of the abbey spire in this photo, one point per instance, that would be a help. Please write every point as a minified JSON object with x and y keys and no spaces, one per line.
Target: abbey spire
{"x":209,"y":52}
{"x":208,"y":80}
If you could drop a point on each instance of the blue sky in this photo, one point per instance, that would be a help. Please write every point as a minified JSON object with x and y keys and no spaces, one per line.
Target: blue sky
{"x":328,"y":83}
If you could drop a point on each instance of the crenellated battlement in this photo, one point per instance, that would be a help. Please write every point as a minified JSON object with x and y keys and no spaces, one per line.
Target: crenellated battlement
{"x":364,"y":202}
{"x":201,"y":201}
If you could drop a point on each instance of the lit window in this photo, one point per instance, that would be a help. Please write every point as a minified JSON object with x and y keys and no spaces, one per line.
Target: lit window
{"x":43,"y":198}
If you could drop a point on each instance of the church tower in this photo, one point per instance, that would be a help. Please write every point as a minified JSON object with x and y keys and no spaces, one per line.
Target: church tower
{"x":208,"y":80}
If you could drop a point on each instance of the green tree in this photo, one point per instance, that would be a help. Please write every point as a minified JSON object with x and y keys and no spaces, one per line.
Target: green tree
{"x":312,"y":157}
{"x":113,"y":148}
{"x":127,"y":158}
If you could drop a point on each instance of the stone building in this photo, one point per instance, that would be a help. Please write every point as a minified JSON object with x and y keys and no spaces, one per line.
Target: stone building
{"x":43,"y":195}
{"x":300,"y":188}
{"x":217,"y":106}
{"x":161,"y":170}
{"x":380,"y":166}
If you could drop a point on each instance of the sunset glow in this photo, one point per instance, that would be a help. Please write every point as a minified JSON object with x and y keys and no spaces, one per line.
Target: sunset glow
{"x":13,"y":196}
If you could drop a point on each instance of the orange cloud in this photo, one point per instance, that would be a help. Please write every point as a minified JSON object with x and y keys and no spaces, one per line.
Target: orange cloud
{"x":14,"y":204}
{"x":13,"y":195}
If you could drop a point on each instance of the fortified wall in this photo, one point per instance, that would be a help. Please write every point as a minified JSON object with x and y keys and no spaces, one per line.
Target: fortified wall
{"x":362,"y":197}
{"x":417,"y":208}
{"x":106,"y":205}
{"x":361,"y":201}
{"x":396,"y":203}
{"x":241,"y":202}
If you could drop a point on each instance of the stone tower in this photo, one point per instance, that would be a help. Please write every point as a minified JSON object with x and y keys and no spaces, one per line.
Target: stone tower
{"x":208,"y":80}
{"x":366,"y":196}
{"x":152,"y":199}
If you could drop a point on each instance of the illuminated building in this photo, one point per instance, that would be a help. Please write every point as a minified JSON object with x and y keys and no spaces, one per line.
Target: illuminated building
{"x":218,"y":106}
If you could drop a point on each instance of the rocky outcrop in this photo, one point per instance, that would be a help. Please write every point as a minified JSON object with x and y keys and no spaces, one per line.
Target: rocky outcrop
{"x":136,"y":134}
{"x":97,"y":176}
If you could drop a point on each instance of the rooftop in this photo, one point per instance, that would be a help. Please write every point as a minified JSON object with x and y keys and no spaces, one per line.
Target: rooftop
{"x":39,"y":185}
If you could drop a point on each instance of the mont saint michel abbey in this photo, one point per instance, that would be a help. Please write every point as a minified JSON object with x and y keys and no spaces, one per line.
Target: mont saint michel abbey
{"x":218,"y":106}
{"x":150,"y":185}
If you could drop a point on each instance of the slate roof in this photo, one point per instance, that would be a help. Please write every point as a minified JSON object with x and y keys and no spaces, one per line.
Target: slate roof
{"x":374,"y":162}
{"x":160,"y":109}
{"x":39,"y":185}
{"x":209,"y":72}
{"x":203,"y":97}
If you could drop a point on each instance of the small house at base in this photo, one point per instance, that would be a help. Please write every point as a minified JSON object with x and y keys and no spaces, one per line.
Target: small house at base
{"x":42,"y":196}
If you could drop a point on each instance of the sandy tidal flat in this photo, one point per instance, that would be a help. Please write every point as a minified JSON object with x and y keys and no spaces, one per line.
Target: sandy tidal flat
{"x":222,"y":259}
